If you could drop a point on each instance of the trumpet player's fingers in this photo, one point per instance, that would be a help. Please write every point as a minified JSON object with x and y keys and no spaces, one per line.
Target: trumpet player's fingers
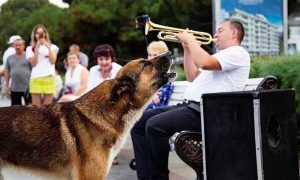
{"x":185,"y":37}
{"x":181,"y":39}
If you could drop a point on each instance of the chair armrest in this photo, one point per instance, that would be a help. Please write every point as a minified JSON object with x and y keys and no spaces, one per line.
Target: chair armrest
{"x":269,"y":82}
{"x":188,"y":146}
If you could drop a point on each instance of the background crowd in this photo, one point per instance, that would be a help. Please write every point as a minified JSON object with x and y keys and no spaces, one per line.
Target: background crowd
{"x":29,"y":72}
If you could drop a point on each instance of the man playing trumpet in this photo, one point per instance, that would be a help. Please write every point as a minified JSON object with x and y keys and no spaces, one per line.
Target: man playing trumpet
{"x":227,"y":70}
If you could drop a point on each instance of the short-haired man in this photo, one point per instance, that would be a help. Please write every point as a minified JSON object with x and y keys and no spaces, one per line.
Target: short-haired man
{"x":224,"y":71}
{"x":17,"y":72}
{"x":8,"y":52}
{"x":83,"y":58}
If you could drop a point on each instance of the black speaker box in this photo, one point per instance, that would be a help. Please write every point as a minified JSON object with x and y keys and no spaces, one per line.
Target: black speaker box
{"x":249,"y":135}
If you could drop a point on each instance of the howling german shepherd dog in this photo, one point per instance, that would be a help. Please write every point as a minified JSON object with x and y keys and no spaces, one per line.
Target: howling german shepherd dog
{"x":79,"y":139}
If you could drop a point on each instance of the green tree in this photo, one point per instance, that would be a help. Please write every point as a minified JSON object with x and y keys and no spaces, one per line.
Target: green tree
{"x":14,"y":14}
{"x":93,"y":22}
{"x":293,"y":6}
{"x":18,"y":17}
{"x":102,"y":21}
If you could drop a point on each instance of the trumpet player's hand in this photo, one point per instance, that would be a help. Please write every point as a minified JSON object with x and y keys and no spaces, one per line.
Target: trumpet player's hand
{"x":185,"y":38}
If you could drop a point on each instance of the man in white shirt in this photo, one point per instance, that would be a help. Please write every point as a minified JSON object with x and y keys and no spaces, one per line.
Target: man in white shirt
{"x":17,"y":72}
{"x":224,"y":71}
{"x":10,"y":50}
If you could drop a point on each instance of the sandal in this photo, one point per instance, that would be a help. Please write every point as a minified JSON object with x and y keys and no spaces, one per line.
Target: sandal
{"x":115,"y":161}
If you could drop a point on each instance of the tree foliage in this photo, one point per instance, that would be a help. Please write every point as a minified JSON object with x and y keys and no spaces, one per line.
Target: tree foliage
{"x":93,"y":22}
{"x":293,"y":6}
{"x":284,"y":68}
{"x":14,"y":15}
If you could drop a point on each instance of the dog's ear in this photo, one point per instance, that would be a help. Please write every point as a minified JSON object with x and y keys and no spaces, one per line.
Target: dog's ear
{"x":121,"y":86}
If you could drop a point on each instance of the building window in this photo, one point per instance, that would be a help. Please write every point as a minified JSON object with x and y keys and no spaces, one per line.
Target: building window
{"x":292,"y":49}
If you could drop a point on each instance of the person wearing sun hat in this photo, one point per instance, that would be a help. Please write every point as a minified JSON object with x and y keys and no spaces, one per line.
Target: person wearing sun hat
{"x":8,"y":52}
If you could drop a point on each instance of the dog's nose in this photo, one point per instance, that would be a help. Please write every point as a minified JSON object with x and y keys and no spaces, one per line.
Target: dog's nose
{"x":167,"y":54}
{"x":166,"y":59}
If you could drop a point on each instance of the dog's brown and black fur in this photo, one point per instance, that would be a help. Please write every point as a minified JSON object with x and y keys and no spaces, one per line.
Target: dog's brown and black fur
{"x":79,"y":139}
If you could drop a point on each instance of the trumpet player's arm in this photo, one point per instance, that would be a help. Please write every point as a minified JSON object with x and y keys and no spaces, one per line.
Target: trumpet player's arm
{"x":194,"y":54}
{"x":190,"y":69}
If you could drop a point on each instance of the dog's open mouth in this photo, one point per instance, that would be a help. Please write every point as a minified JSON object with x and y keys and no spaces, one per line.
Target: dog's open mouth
{"x":165,"y":63}
{"x":167,"y":77}
{"x":170,"y":76}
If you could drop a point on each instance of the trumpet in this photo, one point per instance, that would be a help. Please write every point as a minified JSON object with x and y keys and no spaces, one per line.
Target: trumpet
{"x":167,"y":33}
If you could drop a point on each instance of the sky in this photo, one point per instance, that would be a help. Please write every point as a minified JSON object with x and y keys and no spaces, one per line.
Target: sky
{"x":271,"y":9}
{"x":59,"y":3}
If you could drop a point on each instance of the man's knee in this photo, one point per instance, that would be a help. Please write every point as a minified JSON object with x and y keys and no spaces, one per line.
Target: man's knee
{"x":134,"y":130}
{"x":139,"y":126}
{"x":155,"y":127}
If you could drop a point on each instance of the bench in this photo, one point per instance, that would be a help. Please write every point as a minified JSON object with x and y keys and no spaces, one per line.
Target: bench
{"x":252,"y":84}
{"x":187,"y":144}
{"x":178,"y":91}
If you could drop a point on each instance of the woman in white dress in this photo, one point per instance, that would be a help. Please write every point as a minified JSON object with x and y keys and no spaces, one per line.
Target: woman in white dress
{"x":76,"y":79}
{"x":42,"y":55}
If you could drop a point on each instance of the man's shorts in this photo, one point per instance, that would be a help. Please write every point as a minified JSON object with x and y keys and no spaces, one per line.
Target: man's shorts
{"x":42,"y":85}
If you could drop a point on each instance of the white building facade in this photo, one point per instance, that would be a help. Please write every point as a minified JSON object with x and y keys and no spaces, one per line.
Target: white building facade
{"x":261,"y":37}
{"x":294,"y":34}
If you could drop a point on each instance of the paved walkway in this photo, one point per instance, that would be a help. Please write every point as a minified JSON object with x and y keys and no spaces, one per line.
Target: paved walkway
{"x":178,"y":169}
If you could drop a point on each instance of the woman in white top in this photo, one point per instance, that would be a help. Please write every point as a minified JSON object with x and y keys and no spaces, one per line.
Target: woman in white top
{"x":42,"y":55}
{"x":76,"y":78}
{"x":106,"y":68}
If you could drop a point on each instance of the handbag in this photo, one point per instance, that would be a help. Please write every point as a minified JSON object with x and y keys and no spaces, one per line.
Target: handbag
{"x":27,"y":95}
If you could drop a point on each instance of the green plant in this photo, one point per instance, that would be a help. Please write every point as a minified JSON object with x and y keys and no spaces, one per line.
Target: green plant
{"x":284,"y":68}
{"x":180,"y":73}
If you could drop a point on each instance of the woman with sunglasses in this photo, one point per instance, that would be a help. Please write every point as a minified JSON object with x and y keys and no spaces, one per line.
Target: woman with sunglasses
{"x":42,"y":55}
